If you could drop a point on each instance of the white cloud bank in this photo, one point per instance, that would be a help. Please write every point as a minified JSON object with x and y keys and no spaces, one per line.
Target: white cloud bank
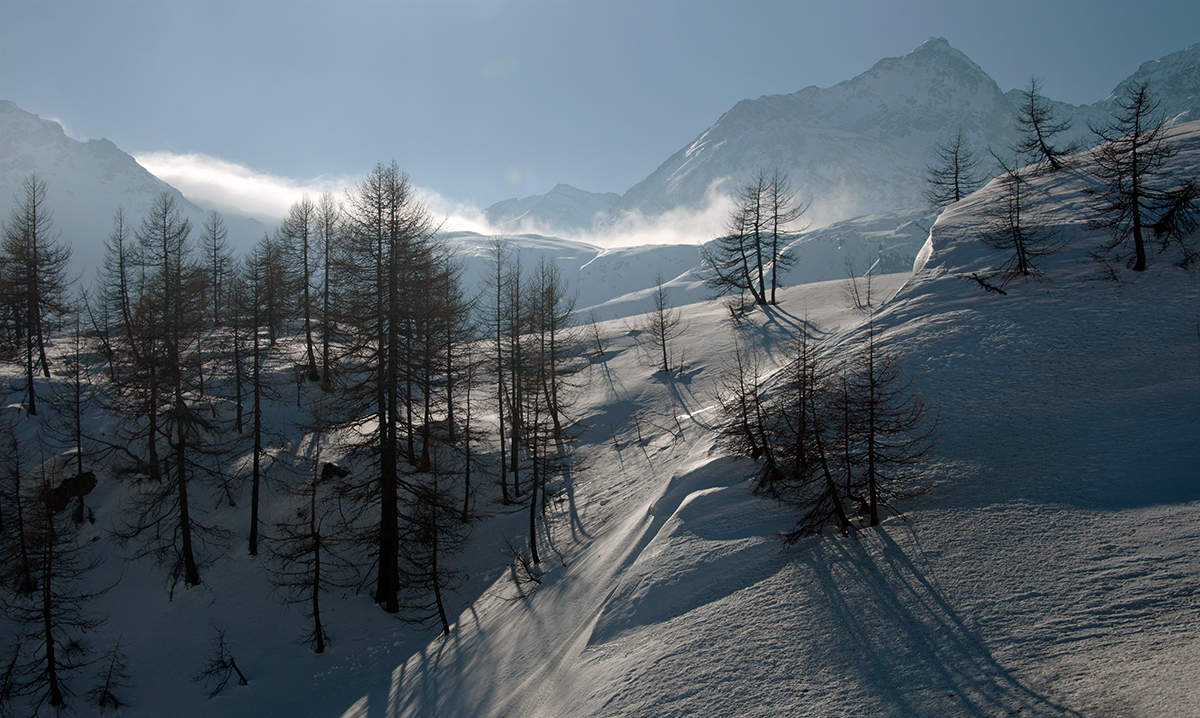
{"x":228,"y":185}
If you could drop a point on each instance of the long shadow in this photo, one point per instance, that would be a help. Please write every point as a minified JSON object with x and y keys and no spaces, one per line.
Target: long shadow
{"x":577,"y":529}
{"x":781,"y":326}
{"x":681,"y":406}
{"x":430,"y":678}
{"x":781,"y":317}
{"x":906,"y":639}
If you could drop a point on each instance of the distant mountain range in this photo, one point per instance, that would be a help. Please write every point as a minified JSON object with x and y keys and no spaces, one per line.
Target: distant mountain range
{"x":618,"y":282}
{"x":86,"y":182}
{"x":856,"y":151}
{"x":565,"y":209}
{"x":856,"y":148}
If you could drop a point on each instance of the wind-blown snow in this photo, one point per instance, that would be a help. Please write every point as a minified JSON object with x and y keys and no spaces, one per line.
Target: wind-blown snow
{"x":1052,"y":571}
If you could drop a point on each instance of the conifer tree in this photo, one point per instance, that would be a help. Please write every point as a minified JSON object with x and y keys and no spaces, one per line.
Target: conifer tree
{"x":157,"y":393}
{"x":391,"y":261}
{"x":75,"y":395}
{"x":953,"y":173}
{"x":1130,"y":166}
{"x":53,"y":620}
{"x":1015,"y":225}
{"x":1039,"y":125}
{"x":663,"y":325}
{"x":734,"y":261}
{"x":434,"y":532}
{"x":896,"y":433}
{"x":300,"y":230}
{"x":34,"y":281}
{"x":113,"y":676}
{"x":783,"y":209}
{"x":16,"y":530}
{"x":218,"y":260}
{"x":329,"y":229}
{"x":307,"y":550}
{"x":497,"y":312}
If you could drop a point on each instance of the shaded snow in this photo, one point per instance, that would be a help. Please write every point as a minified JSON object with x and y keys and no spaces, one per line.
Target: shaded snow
{"x":1052,"y":570}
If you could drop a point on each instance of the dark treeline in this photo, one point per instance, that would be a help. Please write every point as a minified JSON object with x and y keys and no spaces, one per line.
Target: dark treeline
{"x":183,"y":362}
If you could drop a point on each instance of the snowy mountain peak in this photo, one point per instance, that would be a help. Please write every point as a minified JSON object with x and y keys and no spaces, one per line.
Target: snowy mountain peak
{"x":851,"y":149}
{"x":936,"y":52}
{"x":562,"y":210}
{"x":941,"y":47}
{"x":86,"y":182}
{"x":934,"y":44}
{"x":1174,"y":80}
{"x":12,"y":116}
{"x":860,"y":146}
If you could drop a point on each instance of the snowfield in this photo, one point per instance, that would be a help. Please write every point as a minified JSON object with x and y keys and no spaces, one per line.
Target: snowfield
{"x":1053,"y":568}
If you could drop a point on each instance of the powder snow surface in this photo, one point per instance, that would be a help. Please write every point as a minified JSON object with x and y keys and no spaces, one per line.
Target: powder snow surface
{"x":1053,"y":569}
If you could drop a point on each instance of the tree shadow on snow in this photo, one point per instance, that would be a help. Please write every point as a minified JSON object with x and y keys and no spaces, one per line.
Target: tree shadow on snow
{"x":780,"y":326}
{"x":907,"y":641}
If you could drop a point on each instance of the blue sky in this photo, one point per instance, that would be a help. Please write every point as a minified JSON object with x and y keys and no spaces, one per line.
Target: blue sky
{"x":481,"y":101}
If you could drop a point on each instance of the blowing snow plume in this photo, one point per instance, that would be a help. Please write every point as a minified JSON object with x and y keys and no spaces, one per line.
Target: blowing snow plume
{"x":228,"y":185}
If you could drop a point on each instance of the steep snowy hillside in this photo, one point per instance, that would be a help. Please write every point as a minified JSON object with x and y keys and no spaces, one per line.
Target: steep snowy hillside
{"x":85,"y":183}
{"x":1051,"y":571}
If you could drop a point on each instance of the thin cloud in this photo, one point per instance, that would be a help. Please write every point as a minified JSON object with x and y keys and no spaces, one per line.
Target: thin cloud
{"x":234,"y":187}
{"x":675,"y":226}
{"x":67,"y":129}
{"x":214,"y":181}
{"x":680,"y":225}
{"x":633,"y":228}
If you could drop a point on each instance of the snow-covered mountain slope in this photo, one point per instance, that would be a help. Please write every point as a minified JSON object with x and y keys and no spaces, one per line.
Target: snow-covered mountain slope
{"x":850,"y":149}
{"x":1052,"y":570}
{"x":1174,"y":79}
{"x":619,"y":282}
{"x":85,"y":183}
{"x":861,"y":146}
{"x":564,"y":210}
